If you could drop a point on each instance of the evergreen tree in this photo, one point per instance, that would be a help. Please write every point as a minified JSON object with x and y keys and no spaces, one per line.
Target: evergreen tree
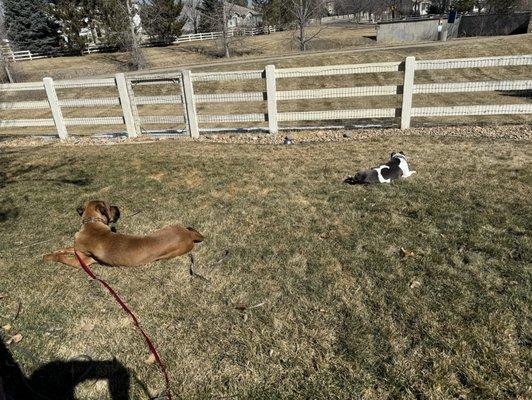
{"x":211,"y":15}
{"x":160,"y":19}
{"x":439,"y":6}
{"x":274,"y":12}
{"x":463,"y":5}
{"x":115,"y":19}
{"x":30,"y":27}
{"x":502,"y":6}
{"x":73,"y":16}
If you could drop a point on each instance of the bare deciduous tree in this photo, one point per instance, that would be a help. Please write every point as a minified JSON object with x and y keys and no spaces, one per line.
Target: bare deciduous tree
{"x":138,"y":61}
{"x":215,"y":16}
{"x":502,"y":6}
{"x":302,"y":12}
{"x":5,"y":67}
{"x":357,"y":7}
{"x":192,"y":13}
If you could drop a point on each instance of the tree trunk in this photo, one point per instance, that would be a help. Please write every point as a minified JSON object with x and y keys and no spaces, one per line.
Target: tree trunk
{"x":134,"y":41}
{"x":137,"y":57}
{"x":302,"y":44}
{"x":8,"y":72}
{"x":225,"y":33}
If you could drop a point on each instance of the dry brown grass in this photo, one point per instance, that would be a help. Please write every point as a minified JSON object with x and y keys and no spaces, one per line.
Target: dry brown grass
{"x":192,"y":53}
{"x":343,"y":316}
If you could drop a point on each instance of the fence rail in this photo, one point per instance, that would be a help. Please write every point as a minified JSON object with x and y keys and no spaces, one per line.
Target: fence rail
{"x":270,"y":96}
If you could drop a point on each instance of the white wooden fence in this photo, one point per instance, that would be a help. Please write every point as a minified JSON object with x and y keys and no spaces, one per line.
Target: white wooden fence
{"x":193,"y":37}
{"x":133,"y":122}
{"x":332,"y":18}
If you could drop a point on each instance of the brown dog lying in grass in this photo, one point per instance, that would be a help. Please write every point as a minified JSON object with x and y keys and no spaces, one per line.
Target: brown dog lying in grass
{"x":95,"y":242}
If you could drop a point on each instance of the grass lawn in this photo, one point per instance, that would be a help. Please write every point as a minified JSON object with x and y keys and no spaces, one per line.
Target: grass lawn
{"x":343,"y":314}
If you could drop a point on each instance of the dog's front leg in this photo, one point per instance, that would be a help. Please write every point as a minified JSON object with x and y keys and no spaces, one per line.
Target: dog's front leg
{"x":67,"y":257}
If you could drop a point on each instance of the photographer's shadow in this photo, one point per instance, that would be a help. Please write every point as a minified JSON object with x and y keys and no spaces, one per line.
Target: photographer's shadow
{"x":57,"y":380}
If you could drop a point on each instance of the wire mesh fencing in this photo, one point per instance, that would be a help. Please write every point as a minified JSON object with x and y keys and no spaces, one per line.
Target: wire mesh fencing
{"x":398,"y":93}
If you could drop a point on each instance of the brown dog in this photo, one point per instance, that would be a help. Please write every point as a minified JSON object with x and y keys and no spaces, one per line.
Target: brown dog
{"x":96,"y":243}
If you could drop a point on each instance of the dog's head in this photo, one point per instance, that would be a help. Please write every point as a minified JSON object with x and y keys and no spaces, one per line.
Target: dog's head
{"x":99,"y":209}
{"x":358,"y":179}
{"x":398,"y":155}
{"x":361,"y":176}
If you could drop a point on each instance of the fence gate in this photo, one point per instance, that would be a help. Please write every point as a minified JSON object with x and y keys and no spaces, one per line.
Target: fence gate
{"x":154,"y":102}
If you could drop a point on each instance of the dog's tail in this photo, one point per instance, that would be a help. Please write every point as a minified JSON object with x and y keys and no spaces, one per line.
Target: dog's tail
{"x":196,"y":236}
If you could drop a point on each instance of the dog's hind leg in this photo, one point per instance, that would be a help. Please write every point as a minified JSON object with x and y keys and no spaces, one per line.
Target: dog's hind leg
{"x":67,"y":257}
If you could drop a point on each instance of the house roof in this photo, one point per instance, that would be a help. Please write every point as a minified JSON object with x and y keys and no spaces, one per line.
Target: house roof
{"x":235,"y":8}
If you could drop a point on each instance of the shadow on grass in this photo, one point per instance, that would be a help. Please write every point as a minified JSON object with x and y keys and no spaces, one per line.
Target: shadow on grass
{"x":527,"y":94}
{"x":57,"y":380}
{"x":8,"y":210}
{"x":13,"y":172}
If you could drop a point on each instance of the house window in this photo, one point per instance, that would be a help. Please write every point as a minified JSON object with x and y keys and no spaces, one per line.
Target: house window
{"x":233,"y":21}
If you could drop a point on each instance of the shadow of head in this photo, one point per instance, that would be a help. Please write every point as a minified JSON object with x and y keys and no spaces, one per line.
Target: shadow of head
{"x":57,"y":380}
{"x":8,"y":210}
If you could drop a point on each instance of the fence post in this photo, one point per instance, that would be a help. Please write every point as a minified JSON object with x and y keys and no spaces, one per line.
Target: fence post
{"x":271,"y":96}
{"x":57,"y":114}
{"x":125,"y":102}
{"x":408,"y":91}
{"x":189,"y":103}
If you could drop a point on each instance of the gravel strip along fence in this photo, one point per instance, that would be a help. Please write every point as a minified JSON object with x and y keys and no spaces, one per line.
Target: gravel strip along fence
{"x":508,"y":132}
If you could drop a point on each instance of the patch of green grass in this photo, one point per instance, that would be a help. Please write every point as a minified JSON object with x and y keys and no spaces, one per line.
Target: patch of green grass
{"x":343,"y":316}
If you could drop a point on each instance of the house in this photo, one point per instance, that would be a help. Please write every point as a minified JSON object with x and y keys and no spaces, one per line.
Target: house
{"x":238,"y":16}
{"x":421,"y":7}
{"x":330,"y":7}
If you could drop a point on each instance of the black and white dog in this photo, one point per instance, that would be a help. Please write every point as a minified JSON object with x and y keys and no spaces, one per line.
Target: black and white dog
{"x":394,"y":169}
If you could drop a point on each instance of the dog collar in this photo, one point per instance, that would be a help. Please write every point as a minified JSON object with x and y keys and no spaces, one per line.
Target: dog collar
{"x":93,"y":219}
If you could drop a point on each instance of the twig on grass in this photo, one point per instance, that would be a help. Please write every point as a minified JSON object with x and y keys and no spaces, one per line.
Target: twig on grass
{"x":258,"y":305}
{"x":34,"y":244}
{"x":211,"y":267}
{"x":135,"y":212}
{"x":194,"y":273}
{"x":243,"y":307}
{"x":220,"y":261}
{"x":19,"y":309}
{"x":17,"y":313}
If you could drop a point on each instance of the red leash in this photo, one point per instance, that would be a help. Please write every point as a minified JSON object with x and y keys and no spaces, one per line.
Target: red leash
{"x":152,"y":348}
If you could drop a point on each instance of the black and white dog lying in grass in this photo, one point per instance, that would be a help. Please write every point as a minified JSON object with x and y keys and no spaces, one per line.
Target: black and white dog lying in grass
{"x":394,"y":169}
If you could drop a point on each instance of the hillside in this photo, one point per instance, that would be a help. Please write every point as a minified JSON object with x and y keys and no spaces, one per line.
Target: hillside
{"x":195,"y":53}
{"x":355,"y":45}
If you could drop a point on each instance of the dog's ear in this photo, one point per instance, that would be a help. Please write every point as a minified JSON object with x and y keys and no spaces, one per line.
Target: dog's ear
{"x":393,"y":154}
{"x":402,"y":152}
{"x":114,"y":214}
{"x":360,"y":176}
{"x":80,"y":210}
{"x":103,"y":208}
